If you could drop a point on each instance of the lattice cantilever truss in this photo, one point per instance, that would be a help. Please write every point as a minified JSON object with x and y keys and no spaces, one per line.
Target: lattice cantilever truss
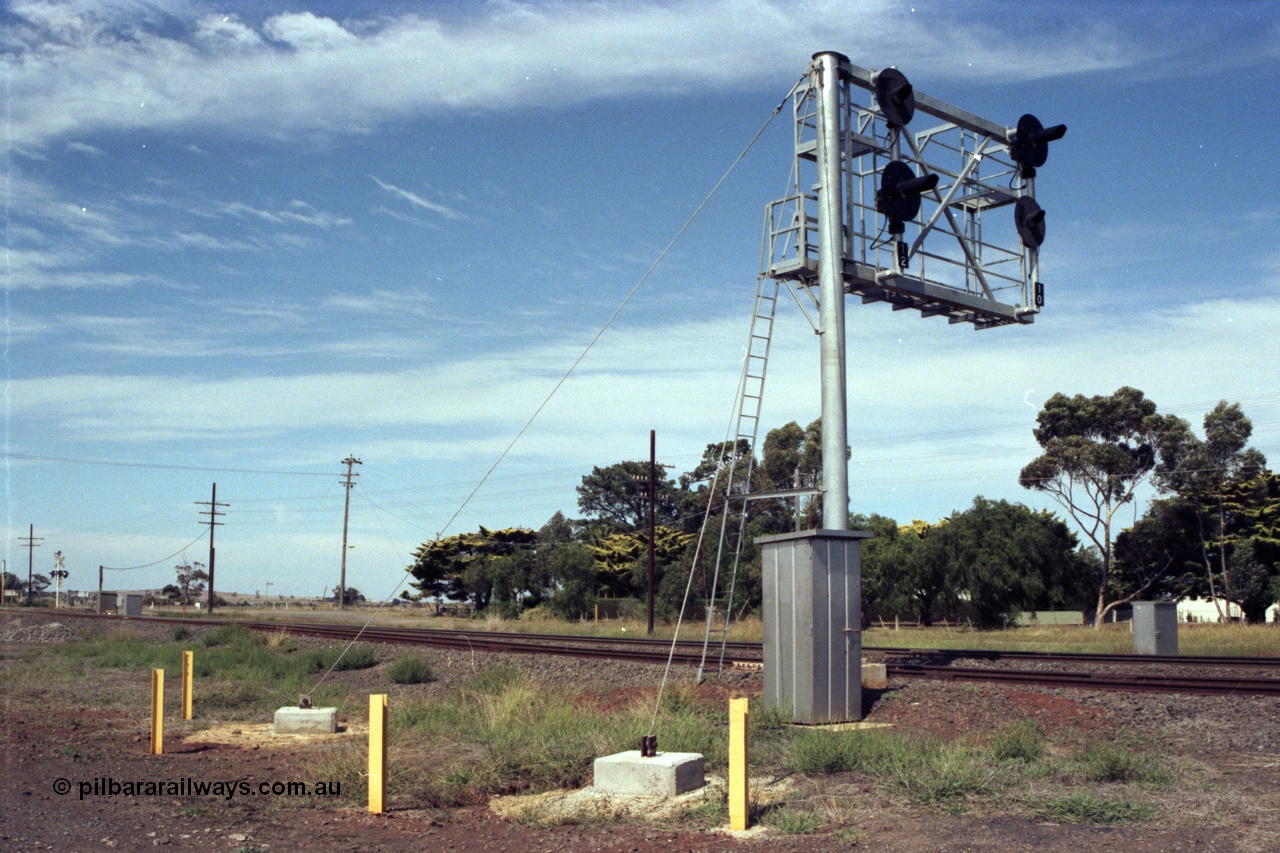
{"x":961,"y":257}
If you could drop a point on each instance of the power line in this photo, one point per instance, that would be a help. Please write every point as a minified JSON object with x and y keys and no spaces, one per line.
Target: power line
{"x":69,"y":460}
{"x":156,"y":563}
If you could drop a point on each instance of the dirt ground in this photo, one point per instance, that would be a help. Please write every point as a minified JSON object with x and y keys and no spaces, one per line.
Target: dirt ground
{"x":1228,"y":750}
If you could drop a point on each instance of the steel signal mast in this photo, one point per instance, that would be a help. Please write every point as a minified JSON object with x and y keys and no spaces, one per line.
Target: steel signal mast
{"x":867,"y":195}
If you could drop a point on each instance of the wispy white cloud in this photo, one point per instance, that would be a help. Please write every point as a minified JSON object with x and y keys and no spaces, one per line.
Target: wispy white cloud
{"x":383,"y":302}
{"x":80,"y":68}
{"x":686,"y":370}
{"x":417,"y":200}
{"x":297,"y":211}
{"x":61,"y":242}
{"x":85,"y":148}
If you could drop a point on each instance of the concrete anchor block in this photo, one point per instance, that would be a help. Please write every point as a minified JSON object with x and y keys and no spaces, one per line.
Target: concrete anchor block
{"x":667,"y":774}
{"x":875,"y":676}
{"x":306,"y":721}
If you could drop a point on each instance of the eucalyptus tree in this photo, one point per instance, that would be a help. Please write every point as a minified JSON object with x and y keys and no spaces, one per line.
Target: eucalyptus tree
{"x":1097,"y":453}
{"x":191,"y":579}
{"x":1209,"y":474}
{"x":791,"y":453}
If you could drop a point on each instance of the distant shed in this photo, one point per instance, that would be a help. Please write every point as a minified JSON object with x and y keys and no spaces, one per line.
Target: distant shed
{"x":1029,"y":618}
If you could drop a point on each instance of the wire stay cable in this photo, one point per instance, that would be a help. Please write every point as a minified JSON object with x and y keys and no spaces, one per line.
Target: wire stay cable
{"x":570,"y":371}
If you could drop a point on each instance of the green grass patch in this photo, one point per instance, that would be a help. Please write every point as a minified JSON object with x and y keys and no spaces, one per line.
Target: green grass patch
{"x":235,"y":670}
{"x":341,"y":658}
{"x":792,"y":821}
{"x":1019,"y":741}
{"x":231,"y":635}
{"x":939,"y":773}
{"x":411,"y":670}
{"x":925,"y":770}
{"x":1101,"y":761}
{"x":1083,"y":808}
{"x":501,"y":733}
{"x":493,"y":679}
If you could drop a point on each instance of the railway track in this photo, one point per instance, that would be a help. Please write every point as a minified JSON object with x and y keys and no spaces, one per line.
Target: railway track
{"x":1202,"y":661}
{"x":1206,"y":685}
{"x":900,"y":663}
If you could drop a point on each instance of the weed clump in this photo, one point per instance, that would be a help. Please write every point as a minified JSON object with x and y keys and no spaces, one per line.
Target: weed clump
{"x":792,"y":821}
{"x":358,"y":656}
{"x":1083,"y":808}
{"x":926,"y":770}
{"x":1101,"y":761}
{"x":230,"y":635}
{"x":1020,"y":741}
{"x":411,"y":670}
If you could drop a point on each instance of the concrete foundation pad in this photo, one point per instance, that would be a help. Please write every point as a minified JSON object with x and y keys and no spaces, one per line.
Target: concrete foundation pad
{"x":306,"y":721}
{"x":856,"y":726}
{"x":875,"y":676}
{"x":667,"y":774}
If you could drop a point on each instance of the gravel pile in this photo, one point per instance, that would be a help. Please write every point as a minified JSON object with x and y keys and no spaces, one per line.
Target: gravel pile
{"x":49,"y":632}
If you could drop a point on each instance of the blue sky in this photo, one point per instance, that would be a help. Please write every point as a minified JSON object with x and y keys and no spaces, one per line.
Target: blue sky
{"x":244,"y":241}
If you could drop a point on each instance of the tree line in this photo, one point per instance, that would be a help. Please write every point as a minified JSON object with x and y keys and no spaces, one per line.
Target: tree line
{"x":1213,"y":530}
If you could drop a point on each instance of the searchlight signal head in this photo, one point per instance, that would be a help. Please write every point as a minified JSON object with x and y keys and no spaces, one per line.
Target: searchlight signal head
{"x":1028,"y":218}
{"x":896,"y":98}
{"x":899,"y":195}
{"x":1029,"y":143}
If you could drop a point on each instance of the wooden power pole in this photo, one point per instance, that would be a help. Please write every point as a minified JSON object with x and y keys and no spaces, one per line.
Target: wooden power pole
{"x":346,"y":514}
{"x":653,"y":493}
{"x":33,"y":542}
{"x":213,"y":514}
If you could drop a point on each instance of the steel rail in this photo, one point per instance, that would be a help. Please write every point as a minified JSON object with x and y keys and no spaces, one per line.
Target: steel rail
{"x":1083,"y":657}
{"x":503,"y":643}
{"x":1128,"y":682}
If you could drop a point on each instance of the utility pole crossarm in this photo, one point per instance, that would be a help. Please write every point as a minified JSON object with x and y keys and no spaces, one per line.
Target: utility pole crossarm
{"x":213,"y":522}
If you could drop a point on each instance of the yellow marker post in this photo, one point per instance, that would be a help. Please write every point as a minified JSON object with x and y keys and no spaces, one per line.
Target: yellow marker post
{"x":738,"y":805}
{"x":157,"y":712}
{"x":377,"y":752}
{"x":188,"y":664}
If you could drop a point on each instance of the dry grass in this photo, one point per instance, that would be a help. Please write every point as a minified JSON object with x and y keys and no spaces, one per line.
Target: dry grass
{"x":281,"y":640}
